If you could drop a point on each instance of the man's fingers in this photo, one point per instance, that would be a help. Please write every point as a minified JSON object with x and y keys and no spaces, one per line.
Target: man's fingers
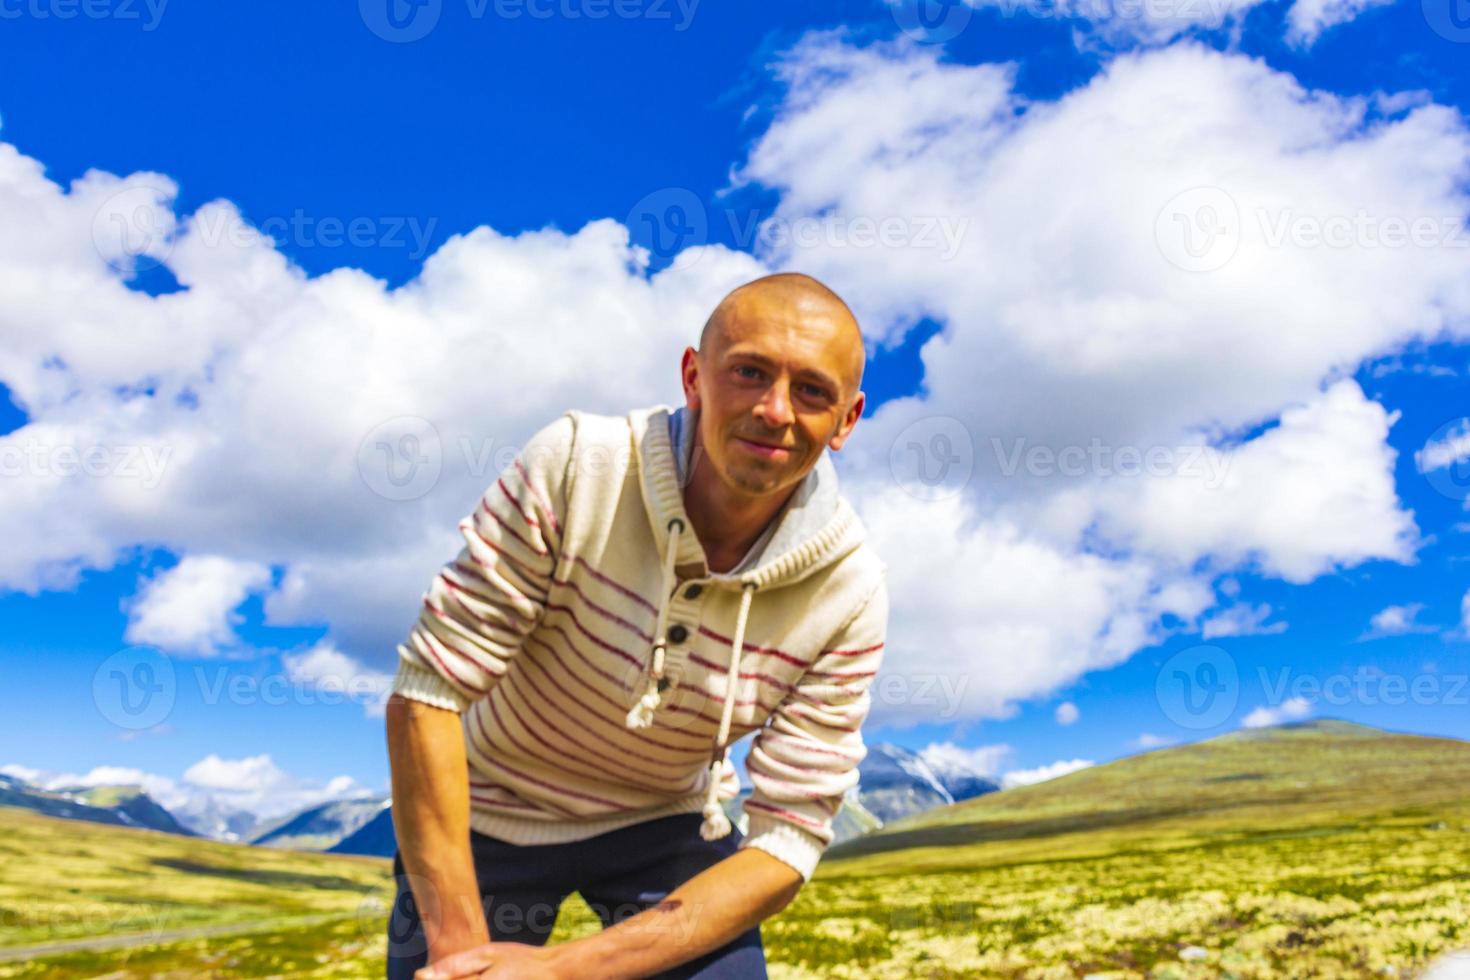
{"x":463,"y":964}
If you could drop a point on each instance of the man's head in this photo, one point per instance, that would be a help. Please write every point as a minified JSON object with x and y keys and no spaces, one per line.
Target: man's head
{"x":779,"y":364}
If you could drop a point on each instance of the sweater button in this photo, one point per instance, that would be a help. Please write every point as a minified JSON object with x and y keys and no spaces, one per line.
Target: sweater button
{"x":693,"y":591}
{"x":677,"y":633}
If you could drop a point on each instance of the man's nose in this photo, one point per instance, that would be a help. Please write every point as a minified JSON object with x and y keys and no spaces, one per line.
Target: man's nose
{"x":775,"y":408}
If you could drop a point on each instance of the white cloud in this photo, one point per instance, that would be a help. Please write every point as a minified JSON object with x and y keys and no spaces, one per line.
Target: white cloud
{"x":1465,"y":614}
{"x":254,"y":784}
{"x":1450,"y":450}
{"x":1155,"y":22}
{"x":328,"y":670}
{"x":1067,"y":713}
{"x":1148,"y":740}
{"x":190,"y":608}
{"x":1025,"y":777}
{"x":1396,"y":621}
{"x":947,"y":757}
{"x":1065,"y":327}
{"x":1292,"y":709}
{"x":1241,"y":620}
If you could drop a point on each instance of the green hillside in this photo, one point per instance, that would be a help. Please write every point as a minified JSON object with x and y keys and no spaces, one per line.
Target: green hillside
{"x":1315,"y":850}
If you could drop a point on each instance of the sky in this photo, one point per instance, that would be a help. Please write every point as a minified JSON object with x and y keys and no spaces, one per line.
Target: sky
{"x":1166,"y":301}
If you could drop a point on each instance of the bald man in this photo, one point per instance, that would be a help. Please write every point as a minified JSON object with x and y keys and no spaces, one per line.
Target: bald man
{"x":741,"y":518}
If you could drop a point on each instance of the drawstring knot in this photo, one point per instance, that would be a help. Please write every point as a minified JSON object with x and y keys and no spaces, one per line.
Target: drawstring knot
{"x":716,"y":822}
{"x":641,"y":714}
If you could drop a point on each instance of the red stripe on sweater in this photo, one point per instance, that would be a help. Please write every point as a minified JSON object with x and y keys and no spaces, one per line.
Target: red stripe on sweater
{"x":541,"y":579}
{"x":530,"y":546}
{"x":546,"y":507}
{"x":618,"y":807}
{"x":749,"y":648}
{"x":852,"y":653}
{"x":629,"y":593}
{"x":794,"y":785}
{"x":585,"y":748}
{"x":796,"y":817}
{"x":617,"y":723}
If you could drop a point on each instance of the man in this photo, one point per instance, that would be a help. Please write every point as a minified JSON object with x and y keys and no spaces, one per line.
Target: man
{"x":635,"y":594}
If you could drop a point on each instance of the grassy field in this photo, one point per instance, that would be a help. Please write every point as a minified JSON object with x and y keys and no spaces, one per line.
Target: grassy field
{"x":1319,"y":851}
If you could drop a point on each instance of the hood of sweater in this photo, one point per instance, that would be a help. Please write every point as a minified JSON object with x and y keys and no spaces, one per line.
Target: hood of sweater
{"x":815,"y":528}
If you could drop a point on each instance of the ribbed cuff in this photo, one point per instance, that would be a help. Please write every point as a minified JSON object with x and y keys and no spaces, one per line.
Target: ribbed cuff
{"x":418,"y":684}
{"x":784,"y":841}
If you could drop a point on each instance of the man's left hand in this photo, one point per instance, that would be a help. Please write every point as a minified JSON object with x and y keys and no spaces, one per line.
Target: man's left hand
{"x":496,"y":961}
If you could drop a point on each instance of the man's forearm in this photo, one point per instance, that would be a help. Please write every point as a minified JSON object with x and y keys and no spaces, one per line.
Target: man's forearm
{"x":431,"y":820}
{"x":703,"y":914}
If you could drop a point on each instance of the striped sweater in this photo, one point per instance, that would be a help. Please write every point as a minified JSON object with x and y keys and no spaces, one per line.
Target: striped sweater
{"x":591,"y":650}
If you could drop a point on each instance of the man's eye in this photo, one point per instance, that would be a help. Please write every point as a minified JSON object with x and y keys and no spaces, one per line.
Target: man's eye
{"x":747,"y":367}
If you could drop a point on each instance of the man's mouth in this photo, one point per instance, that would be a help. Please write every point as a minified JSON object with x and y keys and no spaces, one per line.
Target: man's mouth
{"x":764,"y":449}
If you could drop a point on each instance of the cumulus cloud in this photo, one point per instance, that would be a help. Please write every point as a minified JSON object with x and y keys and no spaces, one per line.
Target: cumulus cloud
{"x":190,"y":608}
{"x":331,"y":671}
{"x":1025,"y":777}
{"x":1241,"y":620}
{"x":1155,"y":22}
{"x":1292,"y":709}
{"x":1108,"y":465}
{"x":1148,"y":740}
{"x":1067,"y":713}
{"x":254,"y":784}
{"x":1396,"y":621}
{"x":947,"y":757}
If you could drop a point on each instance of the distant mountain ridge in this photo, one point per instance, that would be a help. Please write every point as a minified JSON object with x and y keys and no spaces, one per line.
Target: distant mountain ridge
{"x":123,"y":806}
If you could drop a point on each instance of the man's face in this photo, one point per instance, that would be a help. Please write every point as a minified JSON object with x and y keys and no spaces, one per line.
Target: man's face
{"x":773,"y":388}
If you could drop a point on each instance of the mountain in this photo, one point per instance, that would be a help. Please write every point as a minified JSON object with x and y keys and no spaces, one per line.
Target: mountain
{"x":1269,"y":774}
{"x":895,"y":783}
{"x":374,"y":838}
{"x":123,"y":806}
{"x":321,"y":827}
{"x":208,"y":817}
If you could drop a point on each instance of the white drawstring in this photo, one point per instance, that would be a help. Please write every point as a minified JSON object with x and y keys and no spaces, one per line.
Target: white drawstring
{"x":641,"y":714}
{"x":716,"y":822}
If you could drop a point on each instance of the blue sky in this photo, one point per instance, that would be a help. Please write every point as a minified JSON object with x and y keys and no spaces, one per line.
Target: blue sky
{"x":304,"y":119}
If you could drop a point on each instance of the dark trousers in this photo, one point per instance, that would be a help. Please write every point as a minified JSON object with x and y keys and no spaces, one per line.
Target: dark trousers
{"x":618,"y":874}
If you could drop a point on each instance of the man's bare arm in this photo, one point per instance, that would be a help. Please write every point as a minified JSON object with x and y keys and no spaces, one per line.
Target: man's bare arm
{"x":431,"y":807}
{"x":703,"y":914}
